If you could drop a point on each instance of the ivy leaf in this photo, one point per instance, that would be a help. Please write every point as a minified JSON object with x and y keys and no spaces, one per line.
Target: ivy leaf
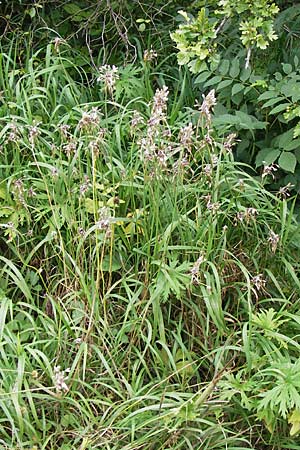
{"x":294,"y":420}
{"x":287,"y":161}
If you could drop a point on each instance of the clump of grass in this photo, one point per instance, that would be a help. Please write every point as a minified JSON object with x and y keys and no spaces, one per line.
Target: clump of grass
{"x":146,"y":279}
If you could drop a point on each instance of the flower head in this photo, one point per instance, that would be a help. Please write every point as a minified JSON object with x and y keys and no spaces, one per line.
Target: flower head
{"x":209,"y":101}
{"x":60,"y":378}
{"x":149,"y":55}
{"x":273,"y":240}
{"x":108,"y":75}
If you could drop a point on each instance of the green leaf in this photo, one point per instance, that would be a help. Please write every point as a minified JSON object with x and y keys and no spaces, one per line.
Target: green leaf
{"x":77,"y":14}
{"x":279,"y":108}
{"x":245,"y":74}
{"x":111,"y":264}
{"x":213,"y":81}
{"x":284,"y":139}
{"x":266,"y":156}
{"x":267,"y":95}
{"x":32,"y":12}
{"x":183,"y":58}
{"x":226,"y":119}
{"x":238,"y":87}
{"x":224,"y":84}
{"x":91,"y":205}
{"x":235,"y":68}
{"x":249,"y":122}
{"x":72,"y":8}
{"x":224,"y":67}
{"x":294,"y":420}
{"x":202,"y":77}
{"x":6,"y":210}
{"x":272,"y":102}
{"x":291,"y":89}
{"x":295,"y":143}
{"x":287,"y":68}
{"x":296,"y":131}
{"x":287,"y":161}
{"x":2,"y":193}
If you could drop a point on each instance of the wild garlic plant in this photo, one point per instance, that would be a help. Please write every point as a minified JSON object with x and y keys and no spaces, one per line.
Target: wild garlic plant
{"x":137,"y":253}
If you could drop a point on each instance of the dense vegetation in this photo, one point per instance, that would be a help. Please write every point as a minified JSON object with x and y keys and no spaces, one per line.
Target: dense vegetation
{"x":149,"y":267}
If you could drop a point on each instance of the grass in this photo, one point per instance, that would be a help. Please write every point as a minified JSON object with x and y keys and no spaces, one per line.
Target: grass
{"x":144,"y":304}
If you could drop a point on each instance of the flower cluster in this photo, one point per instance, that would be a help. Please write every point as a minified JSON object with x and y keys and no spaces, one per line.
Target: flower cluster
{"x":230,"y":141}
{"x":273,"y":240}
{"x":211,"y":206}
{"x":284,"y":191}
{"x":206,"y":108}
{"x":60,"y":379}
{"x":153,"y":145}
{"x":64,"y":130}
{"x":14,"y":134}
{"x":185,"y":136}
{"x":269,"y":170}
{"x":258,"y":283}
{"x":85,"y":186}
{"x":90,"y":119}
{"x":33,"y":134}
{"x":159,"y":106}
{"x":136,"y":120}
{"x":149,"y":55}
{"x":108,"y":75}
{"x":246,"y":216}
{"x":195,"y":270}
{"x":105,"y":220}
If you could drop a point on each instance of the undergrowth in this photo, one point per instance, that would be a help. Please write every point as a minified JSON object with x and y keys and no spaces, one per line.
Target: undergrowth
{"x":149,"y":283}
